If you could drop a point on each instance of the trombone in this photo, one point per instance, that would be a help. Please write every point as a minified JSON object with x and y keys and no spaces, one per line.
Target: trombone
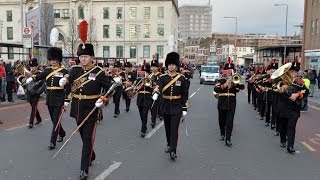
{"x":143,"y":82}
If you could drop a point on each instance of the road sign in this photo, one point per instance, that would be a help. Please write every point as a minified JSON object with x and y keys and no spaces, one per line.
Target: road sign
{"x":26,"y":31}
{"x":27,"y":37}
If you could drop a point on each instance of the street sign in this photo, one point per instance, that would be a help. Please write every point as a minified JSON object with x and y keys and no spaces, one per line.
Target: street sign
{"x":27,"y":37}
{"x":26,"y":31}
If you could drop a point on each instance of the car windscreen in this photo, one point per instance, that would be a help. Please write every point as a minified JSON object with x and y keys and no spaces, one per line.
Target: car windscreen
{"x":208,"y":69}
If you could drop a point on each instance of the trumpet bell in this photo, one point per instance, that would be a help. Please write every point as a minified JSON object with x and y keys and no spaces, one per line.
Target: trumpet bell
{"x":281,"y":70}
{"x":21,"y":79}
{"x":236,"y":79}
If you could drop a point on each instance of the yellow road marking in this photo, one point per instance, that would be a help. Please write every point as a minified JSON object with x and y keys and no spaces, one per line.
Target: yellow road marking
{"x":318,"y":135}
{"x":314,"y":107}
{"x":308,"y":147}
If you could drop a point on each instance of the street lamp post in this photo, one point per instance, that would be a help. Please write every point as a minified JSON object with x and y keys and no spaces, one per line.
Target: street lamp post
{"x":235,"y":32}
{"x":286,"y":29}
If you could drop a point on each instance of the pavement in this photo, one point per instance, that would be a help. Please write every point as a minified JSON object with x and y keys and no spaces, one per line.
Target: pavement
{"x":123,"y":155}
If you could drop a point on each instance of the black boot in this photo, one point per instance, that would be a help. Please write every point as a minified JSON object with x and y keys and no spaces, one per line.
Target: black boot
{"x":291,"y":150}
{"x":83,"y":175}
{"x":93,"y":157}
{"x":228,"y":143}
{"x":173,"y":155}
{"x":167,"y":150}
{"x":51,"y":146}
{"x":30,"y":126}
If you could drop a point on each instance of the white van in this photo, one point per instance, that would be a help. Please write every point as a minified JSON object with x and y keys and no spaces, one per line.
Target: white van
{"x":209,"y":74}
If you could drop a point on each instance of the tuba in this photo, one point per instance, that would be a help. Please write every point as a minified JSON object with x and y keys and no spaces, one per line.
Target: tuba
{"x":285,"y":76}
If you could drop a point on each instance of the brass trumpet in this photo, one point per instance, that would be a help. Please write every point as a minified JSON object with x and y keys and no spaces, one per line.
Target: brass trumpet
{"x":132,"y":90}
{"x":236,"y":78}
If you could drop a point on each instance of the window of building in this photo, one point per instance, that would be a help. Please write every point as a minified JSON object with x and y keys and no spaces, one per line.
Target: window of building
{"x":133,"y":12}
{"x":160,"y":30}
{"x":65,"y":13}
{"x":119,"y":13}
{"x":119,"y":50}
{"x":146,"y":51}
{"x":133,"y":30}
{"x":10,"y":33}
{"x":133,"y":51}
{"x":119,"y":31}
{"x":312,"y":26}
{"x":146,"y":30}
{"x":146,"y":14}
{"x":106,"y":51}
{"x":10,"y":53}
{"x":9,"y":15}
{"x":317,"y":26}
{"x":56,"y":13}
{"x":106,"y":33}
{"x":106,"y":13}
{"x":161,"y":12}
{"x":81,"y":12}
{"x":160,"y":51}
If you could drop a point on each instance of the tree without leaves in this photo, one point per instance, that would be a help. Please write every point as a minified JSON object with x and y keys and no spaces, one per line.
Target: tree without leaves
{"x":72,"y":37}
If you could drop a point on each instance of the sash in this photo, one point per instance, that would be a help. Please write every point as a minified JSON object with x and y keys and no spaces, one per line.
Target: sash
{"x":171,"y":82}
{"x":53,"y":72}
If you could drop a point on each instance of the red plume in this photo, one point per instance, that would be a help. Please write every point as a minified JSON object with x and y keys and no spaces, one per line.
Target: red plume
{"x":83,"y":30}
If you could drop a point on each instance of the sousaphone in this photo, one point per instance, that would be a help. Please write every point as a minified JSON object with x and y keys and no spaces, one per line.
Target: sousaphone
{"x":283,"y":73}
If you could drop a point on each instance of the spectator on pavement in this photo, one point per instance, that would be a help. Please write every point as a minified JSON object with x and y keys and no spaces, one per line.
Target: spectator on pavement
{"x":305,"y":97}
{"x":312,"y":75}
{"x":318,"y":80}
{"x":10,"y":80}
{"x":2,"y":81}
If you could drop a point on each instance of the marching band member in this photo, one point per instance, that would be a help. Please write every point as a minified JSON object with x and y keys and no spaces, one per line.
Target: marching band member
{"x":249,"y":80}
{"x":155,"y":75}
{"x":229,"y":65}
{"x":144,"y":99}
{"x":87,"y":81}
{"x":227,"y":101}
{"x":56,"y":94}
{"x":174,"y":91}
{"x":118,"y":91}
{"x":129,"y":79}
{"x":33,"y":95}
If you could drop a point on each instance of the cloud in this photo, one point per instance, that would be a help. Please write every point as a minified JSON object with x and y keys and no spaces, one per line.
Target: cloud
{"x":254,"y":16}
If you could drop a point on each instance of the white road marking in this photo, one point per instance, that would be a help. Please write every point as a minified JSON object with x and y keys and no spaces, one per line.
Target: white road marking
{"x":154,"y":130}
{"x":314,"y":107}
{"x":22,"y":126}
{"x":192,"y":94}
{"x":108,"y":171}
{"x":199,"y":88}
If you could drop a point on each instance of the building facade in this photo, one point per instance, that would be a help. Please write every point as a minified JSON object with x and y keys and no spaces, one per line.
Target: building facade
{"x":195,"y":21}
{"x":311,"y":35}
{"x":133,"y":29}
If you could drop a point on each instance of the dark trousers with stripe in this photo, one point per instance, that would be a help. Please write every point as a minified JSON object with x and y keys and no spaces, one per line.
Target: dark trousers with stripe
{"x":171,"y":124}
{"x":226,"y":123}
{"x":288,"y":130}
{"x":268,"y":111}
{"x":116,"y":101}
{"x":127,"y":99}
{"x":249,"y":94}
{"x":55,"y":113}
{"x":143,"y":111}
{"x":34,"y":111}
{"x":155,"y":111}
{"x":87,"y":132}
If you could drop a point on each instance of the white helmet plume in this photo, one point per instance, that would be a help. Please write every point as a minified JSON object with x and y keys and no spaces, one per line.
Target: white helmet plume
{"x":54,"y":36}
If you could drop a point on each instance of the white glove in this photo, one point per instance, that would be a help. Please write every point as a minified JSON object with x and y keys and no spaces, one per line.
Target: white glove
{"x":184,"y":113}
{"x":29,"y":80}
{"x":62,"y":82}
{"x":155,"y":96}
{"x":99,"y":103}
{"x":66,"y":104}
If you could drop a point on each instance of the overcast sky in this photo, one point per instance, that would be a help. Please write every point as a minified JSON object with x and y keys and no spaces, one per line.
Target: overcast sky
{"x":254,"y":16}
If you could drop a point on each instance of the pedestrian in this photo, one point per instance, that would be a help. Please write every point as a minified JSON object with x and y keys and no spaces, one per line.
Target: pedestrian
{"x":305,"y":95}
{"x":227,"y":90}
{"x":33,"y":93}
{"x":312,"y":75}
{"x":3,"y":81}
{"x":174,"y":92}
{"x":10,"y":79}
{"x":87,"y":82}
{"x":56,"y":94}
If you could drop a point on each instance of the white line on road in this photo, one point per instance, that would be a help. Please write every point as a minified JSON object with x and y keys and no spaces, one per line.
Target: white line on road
{"x":199,"y":88}
{"x":308,"y":147}
{"x":22,"y":126}
{"x":108,"y":171}
{"x":154,"y":130}
{"x":192,"y":94}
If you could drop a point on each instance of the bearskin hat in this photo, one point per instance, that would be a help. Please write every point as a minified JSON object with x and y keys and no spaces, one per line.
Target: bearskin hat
{"x":33,"y":62}
{"x":54,"y":53}
{"x":117,"y":64}
{"x":148,"y":68}
{"x":155,"y":63}
{"x":85,"y":49}
{"x":127,"y":65}
{"x":106,"y":64}
{"x":172,"y":58}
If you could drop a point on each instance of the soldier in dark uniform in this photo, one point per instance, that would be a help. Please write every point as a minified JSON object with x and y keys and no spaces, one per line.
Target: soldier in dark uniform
{"x":129,"y":79}
{"x":119,"y":90}
{"x":261,"y":95}
{"x":289,"y":108}
{"x":33,"y":93}
{"x":144,"y":100}
{"x":227,"y":102}
{"x":249,"y":80}
{"x":87,"y":81}
{"x":174,"y":91}
{"x":155,"y":110}
{"x":229,"y":65}
{"x":56,"y":94}
{"x":185,"y":71}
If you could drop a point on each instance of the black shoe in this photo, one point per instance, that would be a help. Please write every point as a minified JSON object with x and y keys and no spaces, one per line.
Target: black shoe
{"x":291,"y":150}
{"x":161,"y":118}
{"x":228,"y":143}
{"x":152,"y":125}
{"x":83,"y":175}
{"x":51,"y":146}
{"x":173,"y":155}
{"x":143,"y":134}
{"x":127,"y":109}
{"x":115,"y":115}
{"x":267,"y":124}
{"x":167,"y":150}
{"x":276,"y":134}
{"x":261,"y":118}
{"x":30,"y":126}
{"x":283,"y":144}
{"x":272,"y":126}
{"x":221,"y":138}
{"x":38,"y":122}
{"x":60,"y":138}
